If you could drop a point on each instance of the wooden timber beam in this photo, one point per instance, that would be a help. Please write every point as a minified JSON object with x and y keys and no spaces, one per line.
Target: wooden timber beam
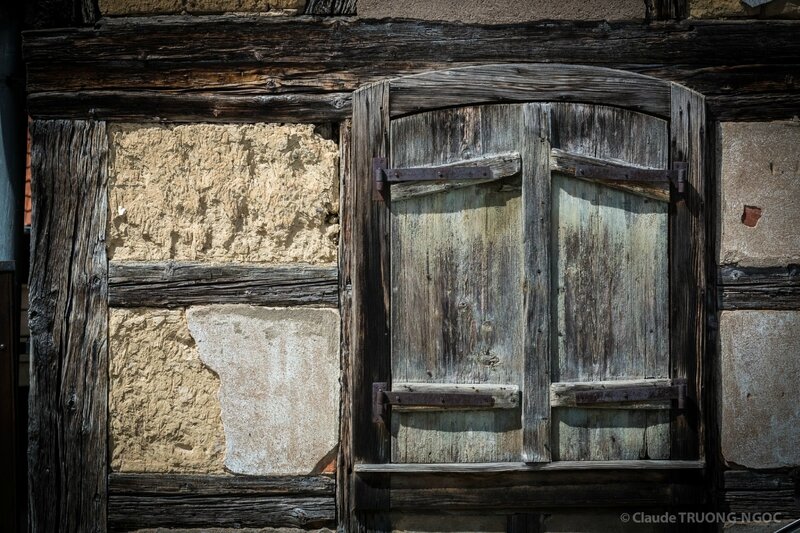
{"x":770,"y":491}
{"x":243,"y":68}
{"x":775,"y":288}
{"x":178,"y":284}
{"x":137,"y":501}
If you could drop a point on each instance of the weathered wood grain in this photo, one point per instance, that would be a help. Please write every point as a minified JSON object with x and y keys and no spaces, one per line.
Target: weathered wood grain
{"x":566,"y":163}
{"x":746,"y":68}
{"x":505,"y":491}
{"x":504,"y":396}
{"x":747,"y":491}
{"x":537,"y":284}
{"x":506,"y":499}
{"x":68,"y":316}
{"x":511,"y":467}
{"x":454,"y":256}
{"x":526,"y":82}
{"x":331,"y":7}
{"x":775,"y":288}
{"x":501,"y":165}
{"x":369,"y":267}
{"x":760,"y":480}
{"x":687,"y":269}
{"x":520,"y":487}
{"x":610,"y":283}
{"x":344,"y":463}
{"x":209,"y":485}
{"x":155,"y":106}
{"x":138,"y":501}
{"x":178,"y":284}
{"x":562,"y":394}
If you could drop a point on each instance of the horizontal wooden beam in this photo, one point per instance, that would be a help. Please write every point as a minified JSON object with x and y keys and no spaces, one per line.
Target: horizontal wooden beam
{"x":567,"y":162}
{"x":776,"y":288}
{"x":746,"y":491}
{"x":518,"y":82}
{"x":178,"y":284}
{"x":505,"y":490}
{"x":746,"y":69}
{"x":501,"y":165}
{"x":155,"y":106}
{"x":562,"y":393}
{"x":475,"y":468}
{"x":137,"y":501}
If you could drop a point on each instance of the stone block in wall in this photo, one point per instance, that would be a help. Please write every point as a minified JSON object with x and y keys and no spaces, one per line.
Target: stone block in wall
{"x":223,"y":192}
{"x":760,"y":193}
{"x":760,"y":418}
{"x":164,"y":7}
{"x":163,"y":406}
{"x":502,"y":11}
{"x":279,"y":372}
{"x":720,"y":9}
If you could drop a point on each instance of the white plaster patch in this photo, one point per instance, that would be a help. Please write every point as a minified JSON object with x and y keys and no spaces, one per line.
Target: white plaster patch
{"x":760,"y":400}
{"x":760,"y":171}
{"x":279,"y":390}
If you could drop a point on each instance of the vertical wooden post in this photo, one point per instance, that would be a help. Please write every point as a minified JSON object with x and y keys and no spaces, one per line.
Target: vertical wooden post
{"x":9,"y":338}
{"x":68,"y":320}
{"x":369,"y":267}
{"x":536,"y":199}
{"x":344,"y":466}
{"x":687,"y":265}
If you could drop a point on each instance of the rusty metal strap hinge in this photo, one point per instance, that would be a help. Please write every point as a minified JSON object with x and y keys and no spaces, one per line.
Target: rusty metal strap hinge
{"x":677,"y":176}
{"x":677,"y":391}
{"x":382,"y":398}
{"x":384,"y":175}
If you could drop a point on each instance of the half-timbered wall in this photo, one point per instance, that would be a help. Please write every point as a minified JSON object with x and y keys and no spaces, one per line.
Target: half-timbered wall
{"x":214,"y":283}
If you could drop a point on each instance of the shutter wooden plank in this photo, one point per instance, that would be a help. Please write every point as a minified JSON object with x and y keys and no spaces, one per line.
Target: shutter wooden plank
{"x":562,"y":394}
{"x":687,"y":266}
{"x":455,"y":255}
{"x":526,"y":82}
{"x":501,"y":165}
{"x":365,"y":238}
{"x":536,"y":283}
{"x":566,"y":163}
{"x":504,"y":396}
{"x":611,"y":284}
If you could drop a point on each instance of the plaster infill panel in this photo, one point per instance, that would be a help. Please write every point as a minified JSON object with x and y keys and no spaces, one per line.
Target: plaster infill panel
{"x":163,"y":406}
{"x":502,"y":11}
{"x":261,"y":193}
{"x":760,"y":193}
{"x":163,"y":7}
{"x":760,"y":401}
{"x":279,"y":372}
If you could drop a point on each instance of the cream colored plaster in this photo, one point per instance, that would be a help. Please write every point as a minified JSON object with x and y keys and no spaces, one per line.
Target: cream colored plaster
{"x":502,"y":11}
{"x":163,"y":405}
{"x":162,"y":7}
{"x":248,"y":193}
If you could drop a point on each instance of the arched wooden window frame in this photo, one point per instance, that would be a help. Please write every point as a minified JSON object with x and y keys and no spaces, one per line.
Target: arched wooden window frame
{"x":365,"y":256}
